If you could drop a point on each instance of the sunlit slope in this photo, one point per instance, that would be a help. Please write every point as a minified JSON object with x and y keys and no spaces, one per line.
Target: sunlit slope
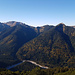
{"x":56,"y":47}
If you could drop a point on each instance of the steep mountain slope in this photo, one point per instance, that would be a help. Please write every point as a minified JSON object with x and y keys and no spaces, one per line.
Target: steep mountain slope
{"x":3,"y":27}
{"x":53,"y":48}
{"x":12,"y":39}
{"x":17,"y":36}
{"x":48,"y":45}
{"x":43,"y":28}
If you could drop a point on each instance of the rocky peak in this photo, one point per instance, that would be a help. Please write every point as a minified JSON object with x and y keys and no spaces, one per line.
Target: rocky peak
{"x":14,"y":23}
{"x":61,"y":27}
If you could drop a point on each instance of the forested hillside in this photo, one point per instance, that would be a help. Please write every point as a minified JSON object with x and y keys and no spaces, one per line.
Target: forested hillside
{"x":12,"y":39}
{"x":56,"y":47}
{"x":12,"y":36}
{"x":39,"y":71}
{"x":50,"y":46}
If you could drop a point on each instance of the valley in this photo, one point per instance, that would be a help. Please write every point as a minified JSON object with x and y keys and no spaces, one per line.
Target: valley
{"x":53,"y":46}
{"x":44,"y":67}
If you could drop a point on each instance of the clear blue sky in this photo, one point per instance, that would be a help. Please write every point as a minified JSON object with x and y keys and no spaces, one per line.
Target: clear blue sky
{"x":38,"y":12}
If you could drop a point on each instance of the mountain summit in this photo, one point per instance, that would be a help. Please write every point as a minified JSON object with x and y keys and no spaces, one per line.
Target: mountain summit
{"x":61,"y":24}
{"x":13,"y":23}
{"x":61,"y":27}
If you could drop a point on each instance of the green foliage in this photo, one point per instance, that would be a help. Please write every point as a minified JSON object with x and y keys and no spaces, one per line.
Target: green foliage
{"x":52,"y":48}
{"x":47,"y":45}
{"x":24,"y":66}
{"x":11,"y":40}
{"x":39,"y":71}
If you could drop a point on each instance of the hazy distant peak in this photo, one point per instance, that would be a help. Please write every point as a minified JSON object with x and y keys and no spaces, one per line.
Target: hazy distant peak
{"x":13,"y":23}
{"x":73,"y":26}
{"x":46,"y":26}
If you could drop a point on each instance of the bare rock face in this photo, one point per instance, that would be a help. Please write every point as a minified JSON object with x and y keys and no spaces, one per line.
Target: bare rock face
{"x":13,"y":23}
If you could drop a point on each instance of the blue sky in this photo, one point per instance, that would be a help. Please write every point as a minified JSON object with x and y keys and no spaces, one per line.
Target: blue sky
{"x":38,"y":12}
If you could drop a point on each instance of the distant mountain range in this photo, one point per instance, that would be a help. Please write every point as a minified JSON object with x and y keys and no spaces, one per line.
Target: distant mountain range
{"x":73,"y":26}
{"x":49,"y":45}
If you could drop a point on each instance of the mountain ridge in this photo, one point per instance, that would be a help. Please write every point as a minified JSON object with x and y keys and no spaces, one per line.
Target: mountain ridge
{"x":50,"y":45}
{"x":54,"y":42}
